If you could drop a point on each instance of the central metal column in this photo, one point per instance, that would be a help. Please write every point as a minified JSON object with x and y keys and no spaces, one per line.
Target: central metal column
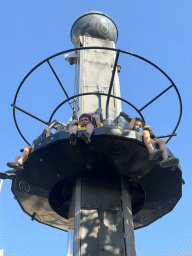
{"x":93,"y":74}
{"x":102,"y":220}
{"x":94,"y":67}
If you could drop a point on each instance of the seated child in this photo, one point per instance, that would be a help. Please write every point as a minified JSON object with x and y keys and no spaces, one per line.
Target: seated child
{"x":148,"y":134}
{"x":85,"y":122}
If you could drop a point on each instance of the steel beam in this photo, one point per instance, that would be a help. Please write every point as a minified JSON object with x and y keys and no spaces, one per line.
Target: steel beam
{"x":100,"y":217}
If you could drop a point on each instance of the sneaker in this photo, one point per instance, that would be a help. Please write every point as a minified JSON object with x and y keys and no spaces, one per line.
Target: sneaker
{"x":168,"y":162}
{"x":16,"y":165}
{"x":155,"y":153}
{"x":86,"y":137}
{"x":7,"y":175}
{"x":72,"y":139}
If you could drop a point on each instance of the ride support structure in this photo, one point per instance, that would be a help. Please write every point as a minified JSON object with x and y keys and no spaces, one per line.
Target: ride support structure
{"x":96,"y":213}
{"x":102,"y":191}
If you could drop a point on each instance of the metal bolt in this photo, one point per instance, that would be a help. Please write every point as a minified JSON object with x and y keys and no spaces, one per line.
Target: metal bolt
{"x":100,"y":205}
{"x":121,"y":249}
{"x":101,"y":217}
{"x":41,"y":160}
{"x":109,"y":206}
{"x":102,"y":248}
{"x":58,"y":175}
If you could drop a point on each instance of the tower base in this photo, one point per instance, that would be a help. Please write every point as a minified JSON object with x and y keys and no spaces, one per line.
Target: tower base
{"x":100,"y":216}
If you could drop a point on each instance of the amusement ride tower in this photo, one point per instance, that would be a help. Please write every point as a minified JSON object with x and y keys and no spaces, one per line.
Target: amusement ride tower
{"x":98,"y":192}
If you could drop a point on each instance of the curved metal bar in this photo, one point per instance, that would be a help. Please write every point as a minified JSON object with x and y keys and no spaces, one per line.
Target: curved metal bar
{"x":111,"y":83}
{"x":180,"y":114}
{"x":29,"y":114}
{"x":53,"y":56}
{"x":33,"y":69}
{"x":18,"y":128}
{"x":96,"y":93}
{"x":177,"y":91}
{"x":94,"y":47}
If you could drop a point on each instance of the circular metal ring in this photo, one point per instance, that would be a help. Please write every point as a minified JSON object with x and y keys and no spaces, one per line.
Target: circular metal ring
{"x":104,"y":48}
{"x":96,"y":93}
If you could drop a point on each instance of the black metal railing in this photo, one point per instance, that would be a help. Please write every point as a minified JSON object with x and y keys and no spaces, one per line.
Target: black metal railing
{"x":102,"y":94}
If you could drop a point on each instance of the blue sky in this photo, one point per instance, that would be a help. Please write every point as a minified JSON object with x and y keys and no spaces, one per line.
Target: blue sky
{"x":159,"y":30}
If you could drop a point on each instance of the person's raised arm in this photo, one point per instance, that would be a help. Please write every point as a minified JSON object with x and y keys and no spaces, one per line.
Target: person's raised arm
{"x":47,"y":130}
{"x":75,"y":122}
{"x":97,"y":120}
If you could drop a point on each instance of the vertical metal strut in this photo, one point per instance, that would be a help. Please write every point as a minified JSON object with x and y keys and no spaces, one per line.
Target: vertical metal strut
{"x":128,"y":219}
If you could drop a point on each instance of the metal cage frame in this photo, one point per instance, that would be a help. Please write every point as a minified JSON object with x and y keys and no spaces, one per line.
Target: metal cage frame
{"x":118,"y":51}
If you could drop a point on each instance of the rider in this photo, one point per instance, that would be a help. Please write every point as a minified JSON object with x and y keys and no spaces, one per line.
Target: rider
{"x":85,"y":123}
{"x":148,"y":135}
{"x":118,"y":68}
{"x":18,"y":162}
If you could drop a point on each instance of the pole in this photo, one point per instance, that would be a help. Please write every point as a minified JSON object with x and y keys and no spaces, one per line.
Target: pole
{"x":100,"y":217}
